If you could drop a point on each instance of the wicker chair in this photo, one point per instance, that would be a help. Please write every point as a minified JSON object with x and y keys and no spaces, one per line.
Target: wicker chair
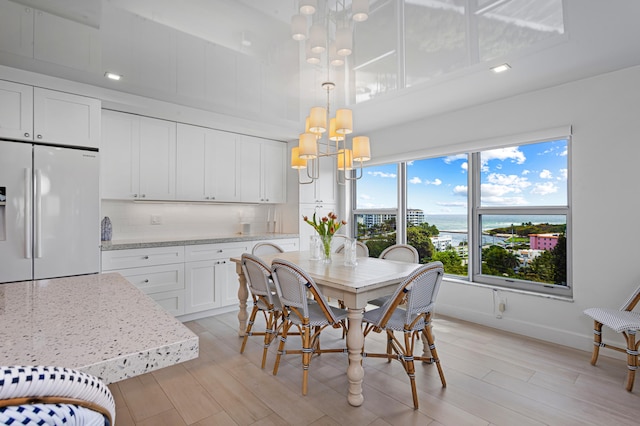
{"x":418,"y":292}
{"x":401,"y":252}
{"x":623,"y":321}
{"x":258,"y":276}
{"x":361,"y":249}
{"x":44,"y":395}
{"x":309,"y":317}
{"x":266,"y":248}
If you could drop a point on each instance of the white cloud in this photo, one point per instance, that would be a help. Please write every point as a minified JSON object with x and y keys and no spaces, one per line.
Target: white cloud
{"x":364,"y":196}
{"x":564,"y":173}
{"x":503,"y":201}
{"x":544,"y":188}
{"x":410,"y":163}
{"x":464,"y":166}
{"x":435,"y":182}
{"x":564,"y":153}
{"x":452,"y":204}
{"x":451,"y":158}
{"x":546,"y":174}
{"x":415,"y":180}
{"x":525,"y":172}
{"x":514,"y":182}
{"x":382,"y":174}
{"x":460,"y":190}
{"x":502,"y":154}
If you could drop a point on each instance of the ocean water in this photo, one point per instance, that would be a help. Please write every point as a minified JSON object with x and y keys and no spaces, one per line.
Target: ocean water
{"x":455,"y":226}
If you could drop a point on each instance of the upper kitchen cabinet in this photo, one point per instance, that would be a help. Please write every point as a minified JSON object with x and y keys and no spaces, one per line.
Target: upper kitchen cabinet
{"x":48,"y":116}
{"x":138,"y":157}
{"x":16,"y":28}
{"x":207,"y":164}
{"x":262,"y":171}
{"x":323,"y":189}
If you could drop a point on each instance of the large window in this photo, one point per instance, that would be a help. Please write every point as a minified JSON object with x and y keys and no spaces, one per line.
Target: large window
{"x":498,"y":216}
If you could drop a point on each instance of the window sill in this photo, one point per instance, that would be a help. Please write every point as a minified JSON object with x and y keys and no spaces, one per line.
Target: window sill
{"x":511,"y":290}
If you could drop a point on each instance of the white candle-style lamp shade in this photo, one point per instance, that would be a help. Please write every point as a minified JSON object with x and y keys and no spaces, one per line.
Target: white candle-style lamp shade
{"x":299,"y":27}
{"x":296,"y":161}
{"x":333,"y":136}
{"x":360,"y":10}
{"x":318,"y":38}
{"x":308,"y":7}
{"x":344,"y":41}
{"x":344,"y":121}
{"x":318,"y":120}
{"x":311,"y":57}
{"x":307,"y":146}
{"x":335,"y":59}
{"x":345,"y":159}
{"x":361,"y":148}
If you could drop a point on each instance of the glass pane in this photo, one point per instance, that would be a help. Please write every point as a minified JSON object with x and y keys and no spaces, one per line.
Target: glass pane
{"x":378,"y":188}
{"x":525,"y":247}
{"x":525,"y":175}
{"x":437,"y":211}
{"x":377,"y":230}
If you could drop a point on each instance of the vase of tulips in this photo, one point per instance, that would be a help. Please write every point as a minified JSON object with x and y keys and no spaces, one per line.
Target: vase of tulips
{"x":326,"y":227}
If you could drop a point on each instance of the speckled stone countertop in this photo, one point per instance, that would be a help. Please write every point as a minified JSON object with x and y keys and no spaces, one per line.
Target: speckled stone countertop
{"x":167,"y":241}
{"x":100,"y":324}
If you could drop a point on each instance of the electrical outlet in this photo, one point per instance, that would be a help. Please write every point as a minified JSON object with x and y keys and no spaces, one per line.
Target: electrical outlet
{"x":156,"y":219}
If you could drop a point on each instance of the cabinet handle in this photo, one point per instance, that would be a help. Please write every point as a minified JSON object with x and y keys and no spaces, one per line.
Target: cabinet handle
{"x":146,"y":281}
{"x":135,"y":195}
{"x":39,"y":136}
{"x":220,"y":251}
{"x":143,"y":195}
{"x":145,"y":257}
{"x":26,"y":135}
{"x":213,"y":198}
{"x":206,"y":198}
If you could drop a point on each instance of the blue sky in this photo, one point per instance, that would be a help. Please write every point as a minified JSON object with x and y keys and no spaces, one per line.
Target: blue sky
{"x":525,"y":175}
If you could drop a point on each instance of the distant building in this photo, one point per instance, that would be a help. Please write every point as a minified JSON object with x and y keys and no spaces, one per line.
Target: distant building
{"x":442,"y":243}
{"x":415,"y":217}
{"x":543,"y":241}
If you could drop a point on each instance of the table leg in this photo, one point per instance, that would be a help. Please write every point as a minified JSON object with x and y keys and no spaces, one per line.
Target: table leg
{"x":243,"y":294}
{"x":355,"y":343}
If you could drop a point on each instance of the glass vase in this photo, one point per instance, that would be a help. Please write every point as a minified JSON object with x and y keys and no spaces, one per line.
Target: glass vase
{"x":326,"y":248}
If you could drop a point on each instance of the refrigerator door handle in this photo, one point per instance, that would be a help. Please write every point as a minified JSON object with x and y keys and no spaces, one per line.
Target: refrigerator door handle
{"x":28,"y":210}
{"x":38,"y":215}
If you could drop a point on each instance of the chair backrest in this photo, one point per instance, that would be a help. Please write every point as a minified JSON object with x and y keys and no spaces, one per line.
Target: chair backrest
{"x":401,"y":252}
{"x":632,"y":301}
{"x":292,"y":285}
{"x":266,"y":248}
{"x":361,"y":249}
{"x":419,"y":290}
{"x":257,"y":274}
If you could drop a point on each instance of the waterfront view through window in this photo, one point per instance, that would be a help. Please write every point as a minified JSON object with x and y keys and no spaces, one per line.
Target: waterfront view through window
{"x":517,"y":234}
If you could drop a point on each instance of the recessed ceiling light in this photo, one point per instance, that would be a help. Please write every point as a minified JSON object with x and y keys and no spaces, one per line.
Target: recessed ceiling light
{"x":500,"y":68}
{"x":112,"y":76}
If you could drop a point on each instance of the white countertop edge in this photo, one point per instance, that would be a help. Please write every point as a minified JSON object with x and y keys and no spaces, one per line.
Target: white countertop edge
{"x":168,"y":241}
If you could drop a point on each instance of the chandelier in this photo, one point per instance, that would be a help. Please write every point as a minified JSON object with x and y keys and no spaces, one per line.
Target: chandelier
{"x":320,"y":140}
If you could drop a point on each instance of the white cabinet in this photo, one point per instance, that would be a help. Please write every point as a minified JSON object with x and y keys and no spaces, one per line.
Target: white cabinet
{"x":323,"y":189}
{"x":206,"y":164}
{"x":158,"y":272}
{"x":262,"y":171}
{"x":48,"y":116}
{"x":211,"y":281}
{"x":306,"y":230}
{"x":138,"y":157}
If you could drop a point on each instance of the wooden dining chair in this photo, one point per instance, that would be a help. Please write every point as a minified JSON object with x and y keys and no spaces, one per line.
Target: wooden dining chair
{"x":361,"y":249}
{"x":621,"y":320}
{"x":44,"y":395}
{"x":258,"y":276}
{"x":265,"y":247}
{"x":309,"y":317}
{"x":418,"y":293}
{"x":401,"y":253}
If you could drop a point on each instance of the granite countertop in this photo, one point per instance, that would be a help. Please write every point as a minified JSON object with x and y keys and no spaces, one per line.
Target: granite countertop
{"x":187,"y":241}
{"x":99,"y":324}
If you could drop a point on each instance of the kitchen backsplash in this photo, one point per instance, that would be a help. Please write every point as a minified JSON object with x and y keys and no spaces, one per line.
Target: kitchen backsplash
{"x":132,"y":220}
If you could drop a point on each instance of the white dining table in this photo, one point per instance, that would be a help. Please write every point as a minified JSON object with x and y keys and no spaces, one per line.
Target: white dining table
{"x":354,"y":285}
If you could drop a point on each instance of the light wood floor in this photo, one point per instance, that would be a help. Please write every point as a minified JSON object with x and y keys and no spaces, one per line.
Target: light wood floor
{"x":493,"y":378}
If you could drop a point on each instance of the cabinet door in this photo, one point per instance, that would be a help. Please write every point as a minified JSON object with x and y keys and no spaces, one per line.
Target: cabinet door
{"x":192,"y":160}
{"x":119,"y":155}
{"x":222,"y":172}
{"x":65,"y":118}
{"x":170,"y":301}
{"x":227,"y":282}
{"x":16,"y":29}
{"x":157,"y":159}
{"x":306,"y":230}
{"x":325,"y":186}
{"x":156,"y":279}
{"x":250,"y":170}
{"x":200,"y":282}
{"x":16,"y":111}
{"x":274,"y":157}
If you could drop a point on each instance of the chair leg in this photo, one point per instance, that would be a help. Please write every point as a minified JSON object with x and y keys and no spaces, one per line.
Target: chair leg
{"x":306,"y":356}
{"x":269,"y":334}
{"x":283,"y":339}
{"x":632,"y":358}
{"x":389,"y":344}
{"x":409,"y":366}
{"x":434,"y":353}
{"x":597,"y":341}
{"x":247,"y":333}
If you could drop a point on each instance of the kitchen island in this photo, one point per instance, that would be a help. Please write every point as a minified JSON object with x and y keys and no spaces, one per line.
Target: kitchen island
{"x":100,"y":324}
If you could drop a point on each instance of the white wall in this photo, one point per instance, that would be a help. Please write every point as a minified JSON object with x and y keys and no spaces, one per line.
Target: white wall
{"x":605,"y":114}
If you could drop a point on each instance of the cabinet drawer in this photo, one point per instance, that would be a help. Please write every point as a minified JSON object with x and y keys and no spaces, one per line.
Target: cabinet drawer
{"x":156,"y":279}
{"x":216,"y":251}
{"x":122,"y":259}
{"x":170,"y":301}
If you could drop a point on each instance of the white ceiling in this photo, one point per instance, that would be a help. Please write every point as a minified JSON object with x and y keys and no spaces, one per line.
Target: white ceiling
{"x":598,"y":37}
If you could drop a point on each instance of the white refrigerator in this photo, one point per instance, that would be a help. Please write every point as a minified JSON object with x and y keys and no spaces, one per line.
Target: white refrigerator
{"x":49,"y":212}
